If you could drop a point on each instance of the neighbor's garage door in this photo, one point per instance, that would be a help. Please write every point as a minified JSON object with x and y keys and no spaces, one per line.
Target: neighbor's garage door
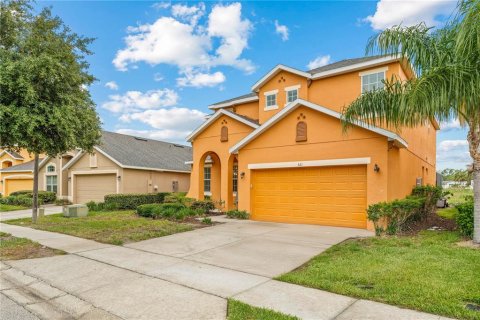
{"x":12,"y":185}
{"x":334,"y":196}
{"x":93,"y":187}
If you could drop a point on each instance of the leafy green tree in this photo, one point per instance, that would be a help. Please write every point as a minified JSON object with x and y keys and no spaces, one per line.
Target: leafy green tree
{"x":456,"y":175}
{"x":45,"y":106}
{"x":447,"y":64}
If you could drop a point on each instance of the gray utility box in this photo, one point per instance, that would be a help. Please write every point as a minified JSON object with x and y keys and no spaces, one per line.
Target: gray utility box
{"x":75,"y":210}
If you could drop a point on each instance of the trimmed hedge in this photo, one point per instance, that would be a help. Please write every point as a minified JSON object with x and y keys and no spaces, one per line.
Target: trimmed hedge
{"x":392,"y":217}
{"x":133,"y":200}
{"x":175,"y":211}
{"x":43,"y":196}
{"x":22,"y":200}
{"x":464,"y":218}
{"x":204,"y":205}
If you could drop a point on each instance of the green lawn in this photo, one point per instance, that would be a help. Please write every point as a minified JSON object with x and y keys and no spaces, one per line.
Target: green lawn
{"x":458,"y":195}
{"x":448,"y":213}
{"x":113,"y":227}
{"x":428,"y":272}
{"x":13,"y":248}
{"x":9,"y":207}
{"x":241,"y":311}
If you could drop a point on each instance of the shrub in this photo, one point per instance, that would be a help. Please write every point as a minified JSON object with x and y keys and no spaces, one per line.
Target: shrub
{"x":207,"y":220}
{"x":464,"y":218}
{"x":395,"y":214}
{"x":147,"y":210}
{"x":21,"y":200}
{"x":43,"y":196}
{"x":132,"y":201}
{"x":204,"y":205}
{"x":20,"y":192}
{"x":431,"y":194}
{"x":62,"y":202}
{"x":237,"y":214}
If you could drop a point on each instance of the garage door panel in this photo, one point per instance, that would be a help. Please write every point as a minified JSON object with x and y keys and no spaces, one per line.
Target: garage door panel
{"x":94,"y":187}
{"x":12,"y":185}
{"x":333,"y":196}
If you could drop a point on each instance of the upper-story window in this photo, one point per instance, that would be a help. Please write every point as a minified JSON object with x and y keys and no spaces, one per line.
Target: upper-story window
{"x":51,"y":168}
{"x":271,"y":100}
{"x":373,"y":80}
{"x":291,"y":93}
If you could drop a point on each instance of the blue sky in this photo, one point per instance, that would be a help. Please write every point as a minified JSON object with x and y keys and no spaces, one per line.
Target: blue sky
{"x":160,"y":64}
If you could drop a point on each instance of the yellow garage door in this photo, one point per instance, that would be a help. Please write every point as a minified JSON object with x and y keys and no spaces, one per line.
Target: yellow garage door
{"x":12,"y":185}
{"x":333,"y":196}
{"x":93,"y":187}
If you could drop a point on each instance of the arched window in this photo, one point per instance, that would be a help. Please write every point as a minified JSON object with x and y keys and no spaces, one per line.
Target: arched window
{"x":301,"y":131}
{"x":51,"y":168}
{"x":224,"y":134}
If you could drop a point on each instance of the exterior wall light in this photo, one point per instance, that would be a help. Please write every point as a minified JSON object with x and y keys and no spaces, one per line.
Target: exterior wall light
{"x":376,"y":168}
{"x":242,"y":175}
{"x":119,"y":178}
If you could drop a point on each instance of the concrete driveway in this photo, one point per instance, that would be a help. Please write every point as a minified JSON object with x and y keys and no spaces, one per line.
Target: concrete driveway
{"x":182,"y":276}
{"x":257,"y":248}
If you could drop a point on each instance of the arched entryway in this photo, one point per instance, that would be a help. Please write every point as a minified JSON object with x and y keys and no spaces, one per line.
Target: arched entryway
{"x":210,"y":177}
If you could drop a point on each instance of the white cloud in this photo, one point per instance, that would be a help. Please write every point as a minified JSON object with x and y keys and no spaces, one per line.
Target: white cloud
{"x":450,"y":125}
{"x":190,"y":14}
{"x":198,"y":80}
{"x":112,"y":85}
{"x":157,"y":77}
{"x":319,"y":61}
{"x":226,"y":23}
{"x":173,"y":124}
{"x":132,"y":101}
{"x":165,"y":41}
{"x":178,"y":40}
{"x":161,"y":5}
{"x":282,"y":30}
{"x":453,"y":153}
{"x":408,"y":13}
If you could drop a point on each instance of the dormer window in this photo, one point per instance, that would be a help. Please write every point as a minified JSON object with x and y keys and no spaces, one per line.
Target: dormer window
{"x":291,"y":93}
{"x":271,"y":100}
{"x":373,"y":80}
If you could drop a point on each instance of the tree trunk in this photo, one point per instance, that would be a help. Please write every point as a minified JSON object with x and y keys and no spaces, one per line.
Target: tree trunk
{"x":476,"y":199}
{"x":35,"y":189}
{"x":474,"y":145}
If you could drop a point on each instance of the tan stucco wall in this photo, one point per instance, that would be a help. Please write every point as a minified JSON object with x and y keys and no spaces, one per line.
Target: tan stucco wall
{"x":142,"y":181}
{"x":7,"y":158}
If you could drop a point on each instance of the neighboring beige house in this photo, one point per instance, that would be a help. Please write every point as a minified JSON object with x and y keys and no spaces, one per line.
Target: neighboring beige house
{"x":120,"y":164}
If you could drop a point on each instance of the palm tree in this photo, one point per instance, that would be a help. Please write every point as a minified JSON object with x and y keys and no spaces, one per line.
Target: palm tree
{"x":447,"y":86}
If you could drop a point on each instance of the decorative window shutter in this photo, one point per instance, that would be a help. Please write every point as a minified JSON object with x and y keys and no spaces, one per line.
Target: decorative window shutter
{"x":224,"y":134}
{"x":301,"y":131}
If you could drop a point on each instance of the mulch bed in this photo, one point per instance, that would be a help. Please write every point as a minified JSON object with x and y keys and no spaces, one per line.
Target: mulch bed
{"x":432,"y":221}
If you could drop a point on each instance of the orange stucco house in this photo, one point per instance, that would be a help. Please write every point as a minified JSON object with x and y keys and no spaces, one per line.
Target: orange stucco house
{"x":280,"y":152}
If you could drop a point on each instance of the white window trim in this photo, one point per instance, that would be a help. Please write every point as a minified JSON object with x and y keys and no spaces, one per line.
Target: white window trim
{"x":295,"y":87}
{"x":267,"y":93}
{"x":51,"y":175}
{"x":291,"y":88}
{"x":310,"y":163}
{"x":369,"y":72}
{"x":372,"y":71}
{"x":270,"y":108}
{"x":53,"y":172}
{"x":270,"y":93}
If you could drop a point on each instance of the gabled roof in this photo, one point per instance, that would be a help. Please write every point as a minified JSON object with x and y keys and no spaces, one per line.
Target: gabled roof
{"x":300,"y":102}
{"x":249,"y":97}
{"x":13,"y":154}
{"x":276,"y":70}
{"x":350,"y":65}
{"x":24,"y":167}
{"x":140,"y":153}
{"x":243,"y":119}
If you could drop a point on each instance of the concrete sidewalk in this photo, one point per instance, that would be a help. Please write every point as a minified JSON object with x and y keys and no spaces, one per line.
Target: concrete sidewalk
{"x":27,"y":213}
{"x":164,"y":278}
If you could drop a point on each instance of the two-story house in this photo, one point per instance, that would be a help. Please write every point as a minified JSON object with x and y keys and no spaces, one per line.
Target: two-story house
{"x":280,"y":152}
